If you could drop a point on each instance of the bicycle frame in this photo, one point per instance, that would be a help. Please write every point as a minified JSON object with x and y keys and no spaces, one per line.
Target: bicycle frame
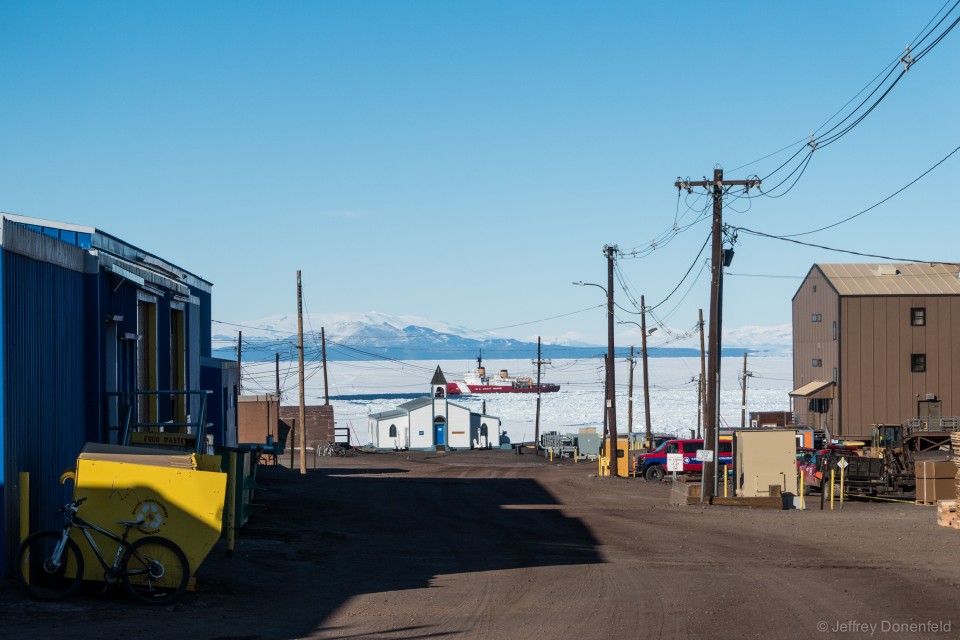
{"x":74,"y":520}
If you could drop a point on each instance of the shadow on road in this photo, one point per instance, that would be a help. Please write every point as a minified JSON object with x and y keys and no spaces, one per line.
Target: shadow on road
{"x":322,"y":539}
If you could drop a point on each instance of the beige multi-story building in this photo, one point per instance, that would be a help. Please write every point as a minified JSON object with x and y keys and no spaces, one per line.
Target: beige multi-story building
{"x":876,"y":344}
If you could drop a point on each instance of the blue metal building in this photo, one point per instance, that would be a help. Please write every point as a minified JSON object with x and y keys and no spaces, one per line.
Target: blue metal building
{"x":86,"y":319}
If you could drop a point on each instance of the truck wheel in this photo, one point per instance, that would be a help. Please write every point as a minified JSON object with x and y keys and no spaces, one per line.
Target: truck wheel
{"x":654,"y":473}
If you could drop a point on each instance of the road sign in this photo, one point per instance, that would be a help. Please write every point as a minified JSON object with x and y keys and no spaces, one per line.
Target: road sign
{"x":674,"y":462}
{"x":705,"y":455}
{"x":843,"y":464}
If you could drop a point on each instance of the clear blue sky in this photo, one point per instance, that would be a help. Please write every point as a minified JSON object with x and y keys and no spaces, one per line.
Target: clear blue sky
{"x":466,"y":161}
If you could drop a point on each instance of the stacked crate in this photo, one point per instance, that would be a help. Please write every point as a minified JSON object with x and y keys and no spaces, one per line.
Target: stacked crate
{"x":955,"y":443}
{"x":947,"y":509}
{"x":947,"y":514}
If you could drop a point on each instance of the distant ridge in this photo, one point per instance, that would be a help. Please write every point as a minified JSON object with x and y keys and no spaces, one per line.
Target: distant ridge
{"x":377,"y":336}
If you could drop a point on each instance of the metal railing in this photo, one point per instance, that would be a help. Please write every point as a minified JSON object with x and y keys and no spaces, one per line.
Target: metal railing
{"x":127,"y":408}
{"x":933,"y":423}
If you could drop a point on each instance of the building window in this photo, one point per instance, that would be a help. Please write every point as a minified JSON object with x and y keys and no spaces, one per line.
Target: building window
{"x":393,"y":431}
{"x":817,"y":317}
{"x":814,"y":288}
{"x":918,"y":316}
{"x":834,"y":374}
{"x":918,"y":362}
{"x":834,"y":329}
{"x":816,"y":362}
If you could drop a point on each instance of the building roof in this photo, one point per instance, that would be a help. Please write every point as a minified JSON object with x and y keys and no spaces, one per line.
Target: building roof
{"x":814,"y":389}
{"x":392,"y":413}
{"x":893,"y":279}
{"x":416,"y":403}
{"x":438,"y":377}
{"x":116,"y":250}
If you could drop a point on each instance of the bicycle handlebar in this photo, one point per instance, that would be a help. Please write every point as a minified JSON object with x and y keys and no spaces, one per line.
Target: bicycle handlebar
{"x":72,"y":505}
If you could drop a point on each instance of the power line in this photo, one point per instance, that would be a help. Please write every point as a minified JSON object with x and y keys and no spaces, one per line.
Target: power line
{"x":851,"y":252}
{"x":692,"y":265}
{"x":877,"y":204}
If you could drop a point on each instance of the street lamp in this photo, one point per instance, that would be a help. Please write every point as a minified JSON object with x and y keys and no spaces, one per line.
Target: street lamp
{"x":646,"y":377}
{"x":581,"y":283}
{"x":610,"y":411}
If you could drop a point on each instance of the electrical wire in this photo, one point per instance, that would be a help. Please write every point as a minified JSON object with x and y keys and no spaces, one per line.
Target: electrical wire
{"x":848,"y":251}
{"x":692,"y":265}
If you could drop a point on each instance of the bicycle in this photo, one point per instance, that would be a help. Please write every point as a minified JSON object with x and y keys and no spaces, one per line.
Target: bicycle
{"x":50,"y":566}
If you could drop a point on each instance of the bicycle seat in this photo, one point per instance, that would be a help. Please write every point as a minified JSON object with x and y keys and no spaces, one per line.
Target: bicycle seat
{"x":130,"y":523}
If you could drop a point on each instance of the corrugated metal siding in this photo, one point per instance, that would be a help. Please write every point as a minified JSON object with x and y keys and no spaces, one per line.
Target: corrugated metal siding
{"x":43,"y":385}
{"x":878,"y":339}
{"x":815,"y":340}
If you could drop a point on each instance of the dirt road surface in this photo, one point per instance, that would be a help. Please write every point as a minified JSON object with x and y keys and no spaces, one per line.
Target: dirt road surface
{"x":495,"y":545}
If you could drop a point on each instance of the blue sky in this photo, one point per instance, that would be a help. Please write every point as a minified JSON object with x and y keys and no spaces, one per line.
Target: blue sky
{"x":467,"y":161}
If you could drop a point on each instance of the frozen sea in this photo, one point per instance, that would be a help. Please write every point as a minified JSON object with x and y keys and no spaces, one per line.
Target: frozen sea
{"x":359,"y":388}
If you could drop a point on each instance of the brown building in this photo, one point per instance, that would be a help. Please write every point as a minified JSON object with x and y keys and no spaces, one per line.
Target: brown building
{"x":876,"y":344}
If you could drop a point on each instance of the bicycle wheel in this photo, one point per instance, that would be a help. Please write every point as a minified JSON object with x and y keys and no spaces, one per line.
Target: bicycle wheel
{"x":154,"y":570}
{"x":39,"y":575}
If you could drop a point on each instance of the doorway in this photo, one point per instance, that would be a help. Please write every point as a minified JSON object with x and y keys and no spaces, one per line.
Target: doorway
{"x":440,"y":432}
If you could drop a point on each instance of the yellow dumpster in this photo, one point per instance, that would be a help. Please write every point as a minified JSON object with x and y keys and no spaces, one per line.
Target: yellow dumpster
{"x":175,"y":494}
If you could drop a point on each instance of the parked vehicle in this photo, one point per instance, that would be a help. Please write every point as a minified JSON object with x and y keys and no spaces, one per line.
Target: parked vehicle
{"x":816,"y":465}
{"x":653,"y":465}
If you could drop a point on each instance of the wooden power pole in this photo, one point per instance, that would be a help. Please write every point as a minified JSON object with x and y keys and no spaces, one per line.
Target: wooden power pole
{"x":699,"y":403}
{"x":302,"y":426}
{"x":630,"y":394}
{"x":536,"y":428}
{"x":611,"y":402}
{"x":323,"y":354}
{"x":711,"y":425}
{"x":239,"y":375}
{"x":702,"y":402}
{"x":743,"y":401}
{"x":646,"y":372}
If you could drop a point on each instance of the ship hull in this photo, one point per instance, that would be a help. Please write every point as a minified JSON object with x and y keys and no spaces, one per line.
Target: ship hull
{"x":463,"y":388}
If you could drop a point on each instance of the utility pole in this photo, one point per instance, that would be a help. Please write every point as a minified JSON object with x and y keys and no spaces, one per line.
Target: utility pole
{"x":699,"y":380}
{"x":630,"y":393}
{"x":743,"y":401}
{"x":702,"y":401}
{"x":536,"y":434}
{"x":302,"y":426}
{"x":712,"y":421}
{"x":323,"y":353}
{"x":276,"y":427}
{"x":646,"y":372}
{"x":611,"y":250}
{"x":239,"y":374}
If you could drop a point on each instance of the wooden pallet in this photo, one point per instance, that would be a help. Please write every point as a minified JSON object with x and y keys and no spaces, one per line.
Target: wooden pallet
{"x":947,"y":514}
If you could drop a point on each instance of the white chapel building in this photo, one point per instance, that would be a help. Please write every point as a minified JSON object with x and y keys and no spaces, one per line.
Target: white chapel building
{"x":433,"y":424}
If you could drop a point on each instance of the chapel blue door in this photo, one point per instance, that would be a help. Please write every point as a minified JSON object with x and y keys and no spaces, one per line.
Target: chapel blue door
{"x":439,"y":432}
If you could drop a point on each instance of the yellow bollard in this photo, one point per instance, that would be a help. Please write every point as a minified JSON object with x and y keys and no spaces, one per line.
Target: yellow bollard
{"x":24,"y":505}
{"x":599,"y":466}
{"x":576,"y":455}
{"x":831,"y":489}
{"x":551,"y":455}
{"x":802,"y":501}
{"x":841,"y":487}
{"x":724,"y":481}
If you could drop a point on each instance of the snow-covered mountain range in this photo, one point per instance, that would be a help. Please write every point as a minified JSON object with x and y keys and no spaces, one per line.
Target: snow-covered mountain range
{"x":373,"y":335}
